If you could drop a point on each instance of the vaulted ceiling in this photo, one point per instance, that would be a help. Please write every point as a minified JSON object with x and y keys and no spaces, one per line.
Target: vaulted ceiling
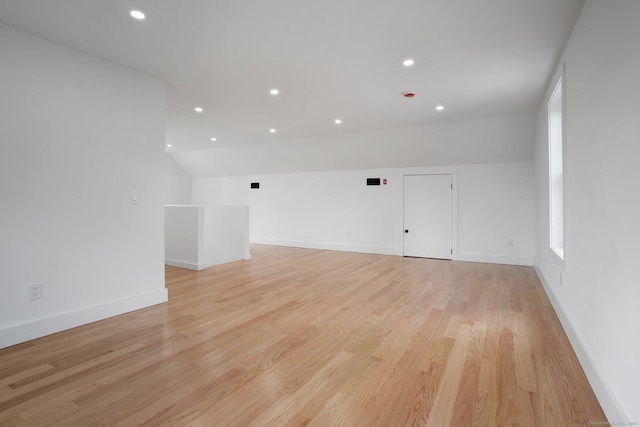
{"x":330,"y":59}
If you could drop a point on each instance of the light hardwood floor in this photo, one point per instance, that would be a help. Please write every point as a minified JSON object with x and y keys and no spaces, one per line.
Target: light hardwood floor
{"x":299,"y":337}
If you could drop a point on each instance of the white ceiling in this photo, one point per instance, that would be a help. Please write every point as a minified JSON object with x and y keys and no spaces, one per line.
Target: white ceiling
{"x":329,"y":59}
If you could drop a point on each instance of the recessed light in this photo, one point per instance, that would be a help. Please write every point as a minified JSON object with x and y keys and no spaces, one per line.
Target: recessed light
{"x":169,"y":145}
{"x":274,"y":91}
{"x":214,"y":139}
{"x":137,"y":15}
{"x":272,"y":130}
{"x":198,"y":109}
{"x":337,"y":121}
{"x":408,"y":62}
{"x":440,"y":108}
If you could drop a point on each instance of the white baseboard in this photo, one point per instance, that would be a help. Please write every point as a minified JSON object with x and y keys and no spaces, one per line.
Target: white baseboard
{"x":609,"y":403}
{"x":41,"y":327}
{"x":329,"y":246}
{"x":182,"y":264}
{"x":493,"y":259}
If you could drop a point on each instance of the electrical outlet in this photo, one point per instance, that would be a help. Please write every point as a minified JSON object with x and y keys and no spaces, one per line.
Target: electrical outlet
{"x":35,"y":291}
{"x":511,"y":243}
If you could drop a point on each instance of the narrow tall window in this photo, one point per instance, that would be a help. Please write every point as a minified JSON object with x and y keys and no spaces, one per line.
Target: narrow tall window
{"x":556,"y":187}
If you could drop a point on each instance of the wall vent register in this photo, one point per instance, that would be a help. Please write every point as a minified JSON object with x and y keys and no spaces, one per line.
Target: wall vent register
{"x":255,"y":185}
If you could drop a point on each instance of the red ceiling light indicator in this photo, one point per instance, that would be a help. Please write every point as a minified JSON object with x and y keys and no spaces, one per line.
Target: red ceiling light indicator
{"x":409,"y":95}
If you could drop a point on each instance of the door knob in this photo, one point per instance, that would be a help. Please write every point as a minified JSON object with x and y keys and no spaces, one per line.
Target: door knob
{"x":406,"y":231}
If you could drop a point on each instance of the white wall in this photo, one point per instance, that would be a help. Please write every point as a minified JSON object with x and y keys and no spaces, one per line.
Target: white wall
{"x":226,"y":234}
{"x":184,"y":236}
{"x":177,"y":183}
{"x":598,"y":299}
{"x":495,"y":213}
{"x":336,"y":210}
{"x":197,"y":236}
{"x":77,"y":135}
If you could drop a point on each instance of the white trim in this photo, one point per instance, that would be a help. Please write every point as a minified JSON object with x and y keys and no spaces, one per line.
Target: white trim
{"x":329,"y":246}
{"x":559,"y":260}
{"x":182,"y":264}
{"x":609,"y":403}
{"x":560,"y":84}
{"x":468,"y":257}
{"x":493,"y":259}
{"x":50,"y":325}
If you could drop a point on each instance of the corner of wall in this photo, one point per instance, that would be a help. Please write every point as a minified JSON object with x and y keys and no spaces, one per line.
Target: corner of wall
{"x":609,"y":403}
{"x":493,"y":259}
{"x":329,"y":246}
{"x":42,"y":327}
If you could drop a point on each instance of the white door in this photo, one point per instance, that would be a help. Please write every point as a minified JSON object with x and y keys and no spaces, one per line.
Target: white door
{"x":428,"y":216}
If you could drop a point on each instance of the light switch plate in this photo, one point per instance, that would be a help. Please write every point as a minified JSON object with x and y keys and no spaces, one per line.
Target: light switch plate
{"x":135,"y":197}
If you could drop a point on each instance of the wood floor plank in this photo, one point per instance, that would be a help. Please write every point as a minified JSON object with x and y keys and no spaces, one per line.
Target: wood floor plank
{"x":312,"y":396}
{"x":465,"y":403}
{"x":525,"y":368}
{"x":486,"y":405}
{"x":444,"y":402}
{"x":302,"y":337}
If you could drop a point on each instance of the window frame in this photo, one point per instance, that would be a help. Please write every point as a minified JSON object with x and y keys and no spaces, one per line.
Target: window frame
{"x":557,"y":167}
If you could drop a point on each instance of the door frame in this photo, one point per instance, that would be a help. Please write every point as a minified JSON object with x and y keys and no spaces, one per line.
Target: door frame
{"x":454,"y":204}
